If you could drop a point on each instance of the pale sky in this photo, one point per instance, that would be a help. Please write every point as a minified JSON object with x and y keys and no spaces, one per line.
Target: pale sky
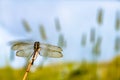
{"x":76,"y":18}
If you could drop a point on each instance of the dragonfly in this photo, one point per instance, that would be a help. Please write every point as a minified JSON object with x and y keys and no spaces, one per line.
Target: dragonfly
{"x":31,"y":50}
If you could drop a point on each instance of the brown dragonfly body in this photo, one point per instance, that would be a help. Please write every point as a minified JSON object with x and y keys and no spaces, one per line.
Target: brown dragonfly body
{"x":36,"y":48}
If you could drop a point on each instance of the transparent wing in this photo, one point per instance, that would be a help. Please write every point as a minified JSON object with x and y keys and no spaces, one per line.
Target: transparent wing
{"x":22,"y":45}
{"x":21,"y":41}
{"x":25,"y":49}
{"x":24,"y":53}
{"x":51,"y":47}
{"x":50,"y":53}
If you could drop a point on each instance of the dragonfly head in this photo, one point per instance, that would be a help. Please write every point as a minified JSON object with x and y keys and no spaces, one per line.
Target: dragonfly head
{"x":36,"y":45}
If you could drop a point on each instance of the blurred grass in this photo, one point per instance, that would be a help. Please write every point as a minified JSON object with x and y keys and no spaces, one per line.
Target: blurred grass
{"x":96,"y":50}
{"x":83,"y":40}
{"x":43,"y":32}
{"x":61,"y":41}
{"x":26,"y":26}
{"x":100,"y":17}
{"x":92,"y":35}
{"x":68,"y":71}
{"x":57,"y":24}
{"x":117,"y":25}
{"x":117,"y":43}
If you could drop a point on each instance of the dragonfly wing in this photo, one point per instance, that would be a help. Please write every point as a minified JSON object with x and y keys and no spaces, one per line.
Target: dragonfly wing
{"x":21,"y":46}
{"x":24,"y":53}
{"x":51,"y":47}
{"x":21,"y":41}
{"x":50,"y":53}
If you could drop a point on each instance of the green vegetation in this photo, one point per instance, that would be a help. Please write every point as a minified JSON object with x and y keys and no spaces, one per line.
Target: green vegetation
{"x":68,"y":71}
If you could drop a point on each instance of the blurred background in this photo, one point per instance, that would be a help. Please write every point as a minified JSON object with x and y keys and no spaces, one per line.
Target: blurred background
{"x":87,"y":31}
